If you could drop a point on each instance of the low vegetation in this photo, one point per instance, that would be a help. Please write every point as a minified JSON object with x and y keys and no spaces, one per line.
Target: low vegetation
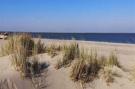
{"x":107,"y":74}
{"x":19,"y":60}
{"x":87,"y":67}
{"x":24,"y":51}
{"x":113,"y":60}
{"x":8,"y":48}
{"x":22,"y":63}
{"x":53,"y":49}
{"x":41,"y":48}
{"x":24,"y":40}
{"x":70,"y":53}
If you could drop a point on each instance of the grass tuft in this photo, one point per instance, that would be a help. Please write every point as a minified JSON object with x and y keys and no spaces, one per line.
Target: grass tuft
{"x":70,"y":54}
{"x":108,"y":74}
{"x":24,"y":40}
{"x":113,"y":60}
{"x":86,"y":68}
{"x":53,"y":49}
{"x":23,"y":50}
{"x":40,"y":46}
{"x":59,"y":64}
{"x":20,"y":61}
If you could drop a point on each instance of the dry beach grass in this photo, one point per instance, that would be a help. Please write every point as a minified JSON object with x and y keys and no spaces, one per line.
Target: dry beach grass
{"x":66,"y":64}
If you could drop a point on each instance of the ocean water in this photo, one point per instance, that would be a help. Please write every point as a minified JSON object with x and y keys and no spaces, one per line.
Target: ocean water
{"x":102,"y":37}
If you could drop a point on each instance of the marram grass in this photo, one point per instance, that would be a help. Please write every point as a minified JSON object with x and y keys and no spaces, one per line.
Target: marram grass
{"x":22,"y":48}
{"x":53,"y":49}
{"x":70,"y":53}
{"x":87,"y":67}
{"x":24,"y":40}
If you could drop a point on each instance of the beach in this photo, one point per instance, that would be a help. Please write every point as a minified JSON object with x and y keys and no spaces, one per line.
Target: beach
{"x":59,"y":79}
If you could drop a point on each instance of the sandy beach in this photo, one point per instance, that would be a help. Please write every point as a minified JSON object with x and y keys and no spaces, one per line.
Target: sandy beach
{"x":59,"y":79}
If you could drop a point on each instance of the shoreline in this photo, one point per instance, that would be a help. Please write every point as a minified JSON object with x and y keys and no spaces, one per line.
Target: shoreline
{"x":93,"y":42}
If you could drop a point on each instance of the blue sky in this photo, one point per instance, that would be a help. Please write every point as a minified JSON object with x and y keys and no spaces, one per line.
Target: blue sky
{"x":67,"y":15}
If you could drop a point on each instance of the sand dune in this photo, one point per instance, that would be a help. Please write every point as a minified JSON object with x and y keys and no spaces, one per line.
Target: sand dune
{"x":59,"y":79}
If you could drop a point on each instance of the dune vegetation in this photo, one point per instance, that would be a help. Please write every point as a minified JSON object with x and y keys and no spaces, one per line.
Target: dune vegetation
{"x":70,"y":53}
{"x":85,"y":66}
{"x":23,"y":51}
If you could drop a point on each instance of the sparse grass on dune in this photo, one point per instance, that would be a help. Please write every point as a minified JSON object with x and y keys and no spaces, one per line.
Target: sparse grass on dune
{"x":12,"y":43}
{"x":8,"y":48}
{"x":41,"y":48}
{"x":87,"y":67}
{"x":107,"y":74}
{"x":20,"y":60}
{"x":59,"y":64}
{"x":22,"y":47}
{"x":25,"y":40}
{"x":53,"y":49}
{"x":64,"y":47}
{"x":102,"y":61}
{"x":113,"y":60}
{"x":70,"y":54}
{"x":27,"y":66}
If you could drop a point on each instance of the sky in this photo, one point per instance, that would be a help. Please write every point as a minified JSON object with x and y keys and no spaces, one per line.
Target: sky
{"x":100,"y":16}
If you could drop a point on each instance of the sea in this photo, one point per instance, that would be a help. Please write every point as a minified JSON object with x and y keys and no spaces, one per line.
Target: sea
{"x":128,"y":38}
